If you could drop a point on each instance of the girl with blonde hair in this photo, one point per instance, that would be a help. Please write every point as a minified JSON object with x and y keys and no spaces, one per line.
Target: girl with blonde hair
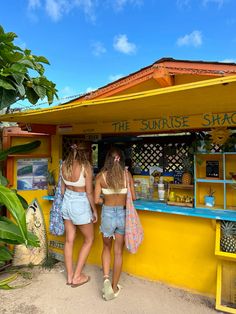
{"x":78,"y":209}
{"x":112,"y":183}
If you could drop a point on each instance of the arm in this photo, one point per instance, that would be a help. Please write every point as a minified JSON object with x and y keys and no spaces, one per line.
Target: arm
{"x":132,"y":190}
{"x":89,"y":191}
{"x":98,"y":190}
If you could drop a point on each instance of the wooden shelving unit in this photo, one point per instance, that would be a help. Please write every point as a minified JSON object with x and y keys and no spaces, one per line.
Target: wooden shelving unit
{"x":225,"y":199}
{"x":223,"y":185}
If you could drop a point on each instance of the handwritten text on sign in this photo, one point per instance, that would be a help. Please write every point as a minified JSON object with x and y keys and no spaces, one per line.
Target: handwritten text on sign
{"x":178,"y":122}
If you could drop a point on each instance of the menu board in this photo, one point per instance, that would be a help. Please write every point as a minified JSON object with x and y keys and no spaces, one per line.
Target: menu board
{"x":212,"y":169}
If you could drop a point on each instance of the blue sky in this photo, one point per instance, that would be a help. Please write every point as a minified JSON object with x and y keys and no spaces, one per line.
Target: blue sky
{"x":90,"y":43}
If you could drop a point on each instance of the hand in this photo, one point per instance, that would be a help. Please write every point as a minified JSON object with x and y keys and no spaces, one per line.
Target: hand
{"x":95,"y":216}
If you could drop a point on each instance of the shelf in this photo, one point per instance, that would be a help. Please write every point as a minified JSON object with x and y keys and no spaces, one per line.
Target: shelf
{"x":182,"y":186}
{"x":210,"y":180}
{"x":217,"y":206}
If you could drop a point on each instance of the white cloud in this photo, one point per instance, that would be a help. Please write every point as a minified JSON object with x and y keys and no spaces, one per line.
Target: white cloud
{"x":120,"y":4}
{"x":34,"y":4}
{"x":115,"y":77}
{"x":122,"y":44}
{"x":67,"y":91}
{"x":183,"y":3}
{"x":228,"y":61}
{"x":56,"y":9}
{"x":220,"y":3}
{"x":98,"y":49}
{"x":192,"y":39}
{"x":90,"y":89}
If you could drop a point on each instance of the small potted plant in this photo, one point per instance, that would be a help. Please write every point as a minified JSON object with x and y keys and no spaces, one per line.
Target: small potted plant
{"x":210,"y":198}
{"x":51,"y":182}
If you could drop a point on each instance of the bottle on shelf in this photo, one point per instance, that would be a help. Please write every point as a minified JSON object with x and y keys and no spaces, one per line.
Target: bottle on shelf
{"x":161,"y":190}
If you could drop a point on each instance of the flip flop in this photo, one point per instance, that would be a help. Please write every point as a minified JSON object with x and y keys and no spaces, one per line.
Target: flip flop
{"x":118,"y":291}
{"x":75,"y":285}
{"x":107,"y":290}
{"x":69,"y":283}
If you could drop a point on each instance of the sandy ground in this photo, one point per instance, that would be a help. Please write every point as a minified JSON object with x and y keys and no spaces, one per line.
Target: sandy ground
{"x":48,"y":293}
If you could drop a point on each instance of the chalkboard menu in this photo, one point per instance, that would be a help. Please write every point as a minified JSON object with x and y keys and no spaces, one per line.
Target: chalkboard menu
{"x":212,"y":168}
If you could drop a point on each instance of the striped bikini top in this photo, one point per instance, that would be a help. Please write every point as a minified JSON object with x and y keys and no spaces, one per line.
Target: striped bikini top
{"x":107,"y":191}
{"x":79,"y":183}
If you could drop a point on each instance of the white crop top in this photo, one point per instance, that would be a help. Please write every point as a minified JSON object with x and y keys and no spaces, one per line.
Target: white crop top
{"x":107,"y":191}
{"x":79,"y":183}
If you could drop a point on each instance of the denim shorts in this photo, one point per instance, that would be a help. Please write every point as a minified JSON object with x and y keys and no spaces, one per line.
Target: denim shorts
{"x":76,"y":207}
{"x":113,"y":221}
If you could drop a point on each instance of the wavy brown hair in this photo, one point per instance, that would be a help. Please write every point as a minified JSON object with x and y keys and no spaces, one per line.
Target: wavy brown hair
{"x":114,"y":167}
{"x":78,"y":155}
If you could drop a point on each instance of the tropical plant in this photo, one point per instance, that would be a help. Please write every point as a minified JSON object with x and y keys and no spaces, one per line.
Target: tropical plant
{"x":16,"y":65}
{"x":13,"y":232}
{"x":211,"y":192}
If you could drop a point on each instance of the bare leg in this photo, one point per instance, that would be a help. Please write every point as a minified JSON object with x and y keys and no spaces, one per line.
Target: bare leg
{"x":118,"y":259}
{"x":68,"y":248}
{"x":88,"y":234}
{"x":106,"y":256}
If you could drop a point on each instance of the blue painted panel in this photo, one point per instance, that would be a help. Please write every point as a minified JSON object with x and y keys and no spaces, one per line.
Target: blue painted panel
{"x":156,"y":206}
{"x":48,"y":197}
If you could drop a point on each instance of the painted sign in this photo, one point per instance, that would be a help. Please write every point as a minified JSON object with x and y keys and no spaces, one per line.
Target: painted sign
{"x":160,"y":124}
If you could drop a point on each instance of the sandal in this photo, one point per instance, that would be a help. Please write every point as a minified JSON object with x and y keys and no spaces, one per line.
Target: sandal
{"x":74,"y":285}
{"x":107,"y":290}
{"x":118,"y":291}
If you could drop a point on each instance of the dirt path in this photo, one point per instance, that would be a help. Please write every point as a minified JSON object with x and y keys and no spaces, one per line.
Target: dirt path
{"x":48,"y":293}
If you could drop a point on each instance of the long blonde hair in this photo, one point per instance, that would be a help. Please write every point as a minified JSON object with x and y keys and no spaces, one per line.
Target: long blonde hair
{"x":75,"y":154}
{"x":114,"y":167}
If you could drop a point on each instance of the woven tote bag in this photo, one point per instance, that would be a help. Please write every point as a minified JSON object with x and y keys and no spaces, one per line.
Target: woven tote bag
{"x":133,"y":229}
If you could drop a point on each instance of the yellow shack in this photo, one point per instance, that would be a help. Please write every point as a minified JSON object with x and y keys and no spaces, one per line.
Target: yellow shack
{"x":155,"y":115}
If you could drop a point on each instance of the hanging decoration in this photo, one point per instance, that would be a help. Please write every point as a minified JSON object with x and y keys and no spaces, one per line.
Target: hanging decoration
{"x":219,"y":136}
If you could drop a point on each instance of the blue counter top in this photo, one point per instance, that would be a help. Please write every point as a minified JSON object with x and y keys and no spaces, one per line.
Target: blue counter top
{"x":161,"y":207}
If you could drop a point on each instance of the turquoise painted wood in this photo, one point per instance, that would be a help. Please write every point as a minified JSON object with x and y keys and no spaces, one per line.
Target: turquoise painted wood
{"x":160,"y":207}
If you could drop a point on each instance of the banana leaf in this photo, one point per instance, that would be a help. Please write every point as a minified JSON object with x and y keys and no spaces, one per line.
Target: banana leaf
{"x":5,"y":254}
{"x":10,"y":233}
{"x":24,"y":203}
{"x":18,"y":149}
{"x":13,"y":204}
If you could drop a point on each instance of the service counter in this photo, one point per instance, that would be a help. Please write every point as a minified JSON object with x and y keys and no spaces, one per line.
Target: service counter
{"x":178,"y":247}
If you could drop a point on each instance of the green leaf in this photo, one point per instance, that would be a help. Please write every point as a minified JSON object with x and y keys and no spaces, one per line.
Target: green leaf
{"x":32,"y":95}
{"x":3,"y":180}
{"x":24,"y":203}
{"x":12,"y":203}
{"x":18,"y":149}
{"x":5,"y":254}
{"x":7,"y":97}
{"x":6,"y":85}
{"x":10,"y":233}
{"x":40,"y":90}
{"x":21,"y":89}
{"x":19,"y":67}
{"x":41,"y":59}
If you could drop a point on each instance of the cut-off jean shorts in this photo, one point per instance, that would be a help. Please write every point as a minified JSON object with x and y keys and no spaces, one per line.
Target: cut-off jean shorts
{"x":113,"y":221}
{"x":76,"y":207}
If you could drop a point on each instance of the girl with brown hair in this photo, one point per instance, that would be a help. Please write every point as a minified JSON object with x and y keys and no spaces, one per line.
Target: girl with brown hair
{"x":112,"y":183}
{"x":78,"y":209}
